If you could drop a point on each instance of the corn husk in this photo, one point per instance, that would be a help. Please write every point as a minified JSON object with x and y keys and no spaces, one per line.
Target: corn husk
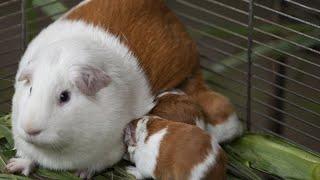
{"x":274,"y":156}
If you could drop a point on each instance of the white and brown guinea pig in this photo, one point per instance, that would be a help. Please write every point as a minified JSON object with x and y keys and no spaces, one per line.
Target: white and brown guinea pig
{"x":205,"y":108}
{"x":221,"y":119}
{"x":163,"y":149}
{"x":178,"y":106}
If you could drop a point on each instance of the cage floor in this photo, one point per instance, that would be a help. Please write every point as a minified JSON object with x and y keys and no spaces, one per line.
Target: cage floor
{"x":253,"y":156}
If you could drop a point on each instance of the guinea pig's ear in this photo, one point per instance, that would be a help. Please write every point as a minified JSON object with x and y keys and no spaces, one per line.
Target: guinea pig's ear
{"x":88,"y":79}
{"x":25,"y":74}
{"x":130,"y":134}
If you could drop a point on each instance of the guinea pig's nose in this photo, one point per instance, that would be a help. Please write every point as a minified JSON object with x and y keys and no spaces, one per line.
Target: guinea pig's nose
{"x":33,"y":132}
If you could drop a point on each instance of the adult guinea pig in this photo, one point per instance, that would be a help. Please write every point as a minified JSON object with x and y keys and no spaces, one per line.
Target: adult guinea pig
{"x":163,"y":149}
{"x":84,"y":77}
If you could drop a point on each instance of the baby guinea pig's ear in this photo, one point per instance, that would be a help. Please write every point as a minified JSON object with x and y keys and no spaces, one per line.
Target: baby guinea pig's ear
{"x":89,"y":79}
{"x":130,"y":135}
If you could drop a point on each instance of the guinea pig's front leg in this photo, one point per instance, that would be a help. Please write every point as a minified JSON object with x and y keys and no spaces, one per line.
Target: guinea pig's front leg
{"x":23,"y":165}
{"x":84,"y":173}
{"x":135,"y":172}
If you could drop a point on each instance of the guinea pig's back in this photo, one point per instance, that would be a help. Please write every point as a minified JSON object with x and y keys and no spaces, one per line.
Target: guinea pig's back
{"x":178,"y":108}
{"x":152,"y":32}
{"x":186,"y":151}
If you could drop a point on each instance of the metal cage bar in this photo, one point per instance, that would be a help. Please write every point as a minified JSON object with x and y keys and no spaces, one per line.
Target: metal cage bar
{"x":250,"y":46}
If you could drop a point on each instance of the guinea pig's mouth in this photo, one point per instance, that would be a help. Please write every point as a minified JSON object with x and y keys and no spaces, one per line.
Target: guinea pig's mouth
{"x":34,"y":140}
{"x":49,"y":145}
{"x":30,"y":140}
{"x":44,"y":141}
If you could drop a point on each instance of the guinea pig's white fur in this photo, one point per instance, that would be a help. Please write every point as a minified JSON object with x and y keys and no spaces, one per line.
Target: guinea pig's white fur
{"x":144,"y":154}
{"x":84,"y":124}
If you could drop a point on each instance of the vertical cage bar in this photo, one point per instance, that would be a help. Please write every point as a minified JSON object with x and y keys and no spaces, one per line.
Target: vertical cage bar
{"x":249,"y":54}
{"x":23,"y":26}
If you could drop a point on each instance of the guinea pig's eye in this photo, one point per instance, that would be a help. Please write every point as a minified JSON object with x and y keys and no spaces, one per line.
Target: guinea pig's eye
{"x":64,"y":97}
{"x":30,"y":90}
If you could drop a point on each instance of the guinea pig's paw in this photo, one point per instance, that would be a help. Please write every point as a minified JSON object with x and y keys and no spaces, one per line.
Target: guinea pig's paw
{"x":84,"y":174}
{"x":134,"y":171}
{"x":25,"y":166}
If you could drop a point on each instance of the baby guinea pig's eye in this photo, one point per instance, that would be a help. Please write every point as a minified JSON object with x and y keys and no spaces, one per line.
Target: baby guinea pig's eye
{"x":64,"y":97}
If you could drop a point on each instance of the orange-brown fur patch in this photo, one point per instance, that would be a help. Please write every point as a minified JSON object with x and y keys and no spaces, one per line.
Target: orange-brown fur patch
{"x":183,"y":147}
{"x":152,"y":32}
{"x":217,"y":107}
{"x":219,"y":171}
{"x":179,"y":108}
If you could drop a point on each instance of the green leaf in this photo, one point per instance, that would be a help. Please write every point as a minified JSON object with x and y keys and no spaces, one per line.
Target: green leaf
{"x":52,"y":9}
{"x":6,"y":133}
{"x":8,"y":153}
{"x":13,"y":177}
{"x":58,"y":175}
{"x":2,"y":164}
{"x":6,"y":120}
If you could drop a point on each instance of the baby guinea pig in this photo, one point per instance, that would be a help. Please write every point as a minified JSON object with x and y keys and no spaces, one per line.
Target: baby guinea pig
{"x":163,"y":149}
{"x":178,"y":106}
{"x":212,"y":112}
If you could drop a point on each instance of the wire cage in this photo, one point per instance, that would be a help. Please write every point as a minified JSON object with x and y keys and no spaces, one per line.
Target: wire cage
{"x":263,"y":55}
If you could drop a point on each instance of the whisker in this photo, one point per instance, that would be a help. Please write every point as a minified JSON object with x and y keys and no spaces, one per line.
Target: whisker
{"x":55,"y":147}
